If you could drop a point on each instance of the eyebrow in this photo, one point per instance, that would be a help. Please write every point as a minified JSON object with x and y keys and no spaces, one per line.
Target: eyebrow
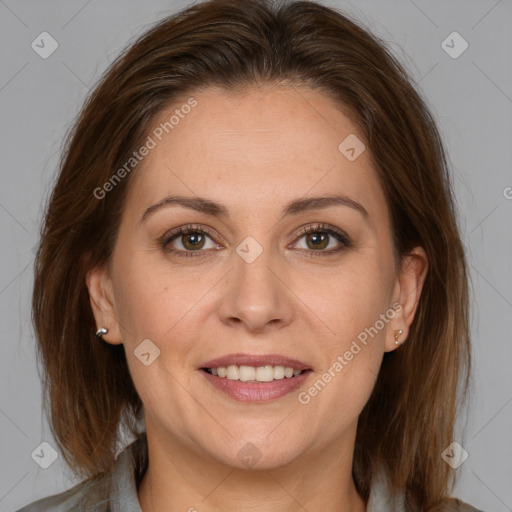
{"x":295,"y":207}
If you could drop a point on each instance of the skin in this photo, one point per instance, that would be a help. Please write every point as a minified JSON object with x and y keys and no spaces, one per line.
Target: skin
{"x":254,"y":152}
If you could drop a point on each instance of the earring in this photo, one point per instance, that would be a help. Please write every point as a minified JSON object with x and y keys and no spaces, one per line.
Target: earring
{"x":101,"y":331}
{"x":397,"y":335}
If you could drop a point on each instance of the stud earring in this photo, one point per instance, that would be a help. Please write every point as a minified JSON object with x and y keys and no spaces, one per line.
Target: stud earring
{"x":101,"y":331}
{"x":397,"y":335}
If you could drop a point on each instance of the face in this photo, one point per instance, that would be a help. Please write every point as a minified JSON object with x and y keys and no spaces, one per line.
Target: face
{"x":266,"y":271}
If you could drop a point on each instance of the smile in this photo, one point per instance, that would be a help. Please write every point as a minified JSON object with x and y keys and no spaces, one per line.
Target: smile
{"x":244,"y":373}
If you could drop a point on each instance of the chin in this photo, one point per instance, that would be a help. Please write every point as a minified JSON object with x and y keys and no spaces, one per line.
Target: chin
{"x":261,"y":454}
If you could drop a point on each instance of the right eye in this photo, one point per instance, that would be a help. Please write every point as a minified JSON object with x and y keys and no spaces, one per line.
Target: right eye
{"x":191,"y":238}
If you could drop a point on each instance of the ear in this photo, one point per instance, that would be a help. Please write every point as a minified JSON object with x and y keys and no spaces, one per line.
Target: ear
{"x":103,"y":305}
{"x":408,"y":287}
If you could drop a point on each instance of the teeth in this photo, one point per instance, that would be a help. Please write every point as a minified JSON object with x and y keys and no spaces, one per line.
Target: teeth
{"x":243,"y":373}
{"x":278,"y":372}
{"x":246,"y":373}
{"x":233,"y":372}
{"x":264,"y":374}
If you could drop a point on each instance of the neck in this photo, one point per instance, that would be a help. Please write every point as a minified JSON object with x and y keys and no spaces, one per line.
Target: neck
{"x":179,"y":478}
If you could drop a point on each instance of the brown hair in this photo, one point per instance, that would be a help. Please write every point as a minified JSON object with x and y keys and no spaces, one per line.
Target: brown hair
{"x":409,"y":419}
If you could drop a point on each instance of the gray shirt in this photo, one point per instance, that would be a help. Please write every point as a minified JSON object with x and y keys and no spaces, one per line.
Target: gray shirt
{"x":116,"y":491}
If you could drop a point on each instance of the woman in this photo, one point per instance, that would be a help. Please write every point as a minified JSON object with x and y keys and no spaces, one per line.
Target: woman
{"x":252,"y":248}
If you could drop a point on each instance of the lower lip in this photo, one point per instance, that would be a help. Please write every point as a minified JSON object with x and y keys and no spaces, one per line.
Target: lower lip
{"x":256,"y":391}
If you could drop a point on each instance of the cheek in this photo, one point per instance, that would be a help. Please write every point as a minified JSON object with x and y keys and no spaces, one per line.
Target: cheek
{"x":353,"y":312}
{"x":352,"y":348}
{"x":151,"y":295}
{"x":154,"y":305}
{"x":346,"y":301}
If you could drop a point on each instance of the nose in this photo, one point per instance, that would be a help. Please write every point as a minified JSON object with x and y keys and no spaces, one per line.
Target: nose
{"x":256,"y":297}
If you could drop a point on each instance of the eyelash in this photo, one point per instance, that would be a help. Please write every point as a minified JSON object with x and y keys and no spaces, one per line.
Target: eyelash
{"x":318,"y":228}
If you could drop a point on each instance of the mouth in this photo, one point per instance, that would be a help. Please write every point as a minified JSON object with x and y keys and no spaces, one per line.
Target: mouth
{"x":255,"y":378}
{"x":255,"y":374}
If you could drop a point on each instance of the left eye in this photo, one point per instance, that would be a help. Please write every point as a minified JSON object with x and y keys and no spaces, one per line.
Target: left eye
{"x":319,"y":240}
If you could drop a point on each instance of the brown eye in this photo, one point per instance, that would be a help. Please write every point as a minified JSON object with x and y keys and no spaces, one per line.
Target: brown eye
{"x":187,"y":240}
{"x":318,"y":238}
{"x":193,"y":240}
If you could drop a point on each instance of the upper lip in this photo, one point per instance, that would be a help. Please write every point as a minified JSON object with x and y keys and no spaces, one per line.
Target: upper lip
{"x":256,"y":360}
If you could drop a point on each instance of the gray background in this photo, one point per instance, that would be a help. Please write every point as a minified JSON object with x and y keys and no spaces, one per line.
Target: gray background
{"x":470,"y":96}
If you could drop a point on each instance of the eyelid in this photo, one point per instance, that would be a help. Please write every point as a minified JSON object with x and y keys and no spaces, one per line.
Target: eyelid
{"x":321,"y":227}
{"x":168,"y":236}
{"x":342,"y":237}
{"x":188,"y":228}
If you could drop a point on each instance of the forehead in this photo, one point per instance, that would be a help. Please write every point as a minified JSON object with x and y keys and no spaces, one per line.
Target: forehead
{"x":254,"y":150}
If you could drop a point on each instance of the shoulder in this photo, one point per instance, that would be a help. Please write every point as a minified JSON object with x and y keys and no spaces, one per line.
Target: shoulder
{"x":456,"y":505}
{"x":383,"y":498}
{"x":91,"y":494}
{"x":99,"y":493}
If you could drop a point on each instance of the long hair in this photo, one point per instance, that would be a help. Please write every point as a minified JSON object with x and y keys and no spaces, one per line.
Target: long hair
{"x":410,"y":417}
